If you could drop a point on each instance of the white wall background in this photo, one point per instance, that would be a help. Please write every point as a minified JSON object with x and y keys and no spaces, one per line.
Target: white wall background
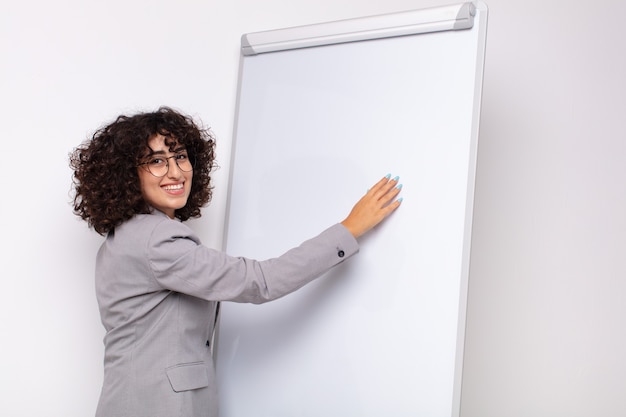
{"x":547,"y":302}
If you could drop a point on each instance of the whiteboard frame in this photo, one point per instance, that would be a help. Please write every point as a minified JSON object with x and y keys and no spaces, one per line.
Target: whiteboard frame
{"x":435,"y":19}
{"x":455,"y":17}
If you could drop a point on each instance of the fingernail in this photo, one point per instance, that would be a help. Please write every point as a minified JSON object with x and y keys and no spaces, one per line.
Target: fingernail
{"x":388,"y":176}
{"x":396,"y":178}
{"x":399,"y":186}
{"x":400,"y":200}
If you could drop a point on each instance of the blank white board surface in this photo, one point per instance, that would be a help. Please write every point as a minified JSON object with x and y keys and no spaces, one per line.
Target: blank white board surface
{"x":324,"y":111}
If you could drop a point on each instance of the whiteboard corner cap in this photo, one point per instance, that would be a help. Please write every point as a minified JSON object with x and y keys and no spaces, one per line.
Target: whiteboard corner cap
{"x":246,"y":48}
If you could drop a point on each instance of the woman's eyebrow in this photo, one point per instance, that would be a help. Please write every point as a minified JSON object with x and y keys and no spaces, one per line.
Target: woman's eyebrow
{"x":163,"y":152}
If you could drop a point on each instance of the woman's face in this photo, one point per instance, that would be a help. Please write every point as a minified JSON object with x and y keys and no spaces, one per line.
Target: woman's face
{"x":171,"y":191}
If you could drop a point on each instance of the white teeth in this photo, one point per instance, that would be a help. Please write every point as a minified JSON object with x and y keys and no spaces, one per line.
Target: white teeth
{"x":173,"y":187}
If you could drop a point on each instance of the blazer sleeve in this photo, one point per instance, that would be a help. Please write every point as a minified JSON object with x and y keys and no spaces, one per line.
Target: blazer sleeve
{"x":179,"y":262}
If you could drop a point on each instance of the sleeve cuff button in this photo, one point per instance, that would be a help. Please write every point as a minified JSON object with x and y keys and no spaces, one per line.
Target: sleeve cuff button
{"x":341,"y":254}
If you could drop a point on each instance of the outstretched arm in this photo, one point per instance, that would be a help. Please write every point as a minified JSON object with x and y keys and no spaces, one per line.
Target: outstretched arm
{"x":378,"y":203}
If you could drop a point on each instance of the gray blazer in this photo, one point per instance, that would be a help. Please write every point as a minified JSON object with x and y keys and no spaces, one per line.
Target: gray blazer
{"x":158,"y":287}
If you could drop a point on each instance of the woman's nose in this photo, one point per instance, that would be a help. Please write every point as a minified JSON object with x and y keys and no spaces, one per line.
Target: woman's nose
{"x":173,"y":171}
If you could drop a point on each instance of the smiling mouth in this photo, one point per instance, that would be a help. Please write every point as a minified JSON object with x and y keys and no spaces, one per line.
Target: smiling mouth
{"x":173,"y":187}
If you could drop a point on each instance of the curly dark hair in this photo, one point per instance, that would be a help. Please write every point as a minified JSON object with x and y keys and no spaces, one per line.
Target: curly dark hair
{"x":105,"y":180}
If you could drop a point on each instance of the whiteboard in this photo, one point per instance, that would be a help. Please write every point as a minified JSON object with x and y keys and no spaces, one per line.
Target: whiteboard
{"x":324,"y":111}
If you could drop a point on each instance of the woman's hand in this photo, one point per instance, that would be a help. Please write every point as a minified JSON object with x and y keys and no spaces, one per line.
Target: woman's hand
{"x":374,"y":206}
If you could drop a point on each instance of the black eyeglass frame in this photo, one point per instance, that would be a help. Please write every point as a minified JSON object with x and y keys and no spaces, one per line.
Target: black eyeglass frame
{"x":167,"y":164}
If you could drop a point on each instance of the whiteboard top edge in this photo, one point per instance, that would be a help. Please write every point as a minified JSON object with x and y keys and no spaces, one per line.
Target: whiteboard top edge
{"x":434,"y":19}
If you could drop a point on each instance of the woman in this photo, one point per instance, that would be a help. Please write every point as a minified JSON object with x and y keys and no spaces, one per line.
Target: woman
{"x":157,"y":286}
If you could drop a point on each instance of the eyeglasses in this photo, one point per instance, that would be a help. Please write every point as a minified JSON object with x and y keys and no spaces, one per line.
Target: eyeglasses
{"x":159,"y":165}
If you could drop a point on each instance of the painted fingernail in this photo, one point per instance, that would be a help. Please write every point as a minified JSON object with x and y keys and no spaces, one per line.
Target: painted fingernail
{"x":396,"y":178}
{"x":388,"y":176}
{"x":400,"y":200}
{"x":399,"y":186}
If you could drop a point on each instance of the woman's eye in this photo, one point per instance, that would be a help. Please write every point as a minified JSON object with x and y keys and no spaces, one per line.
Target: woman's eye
{"x":181,"y":156}
{"x":156,"y":161}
